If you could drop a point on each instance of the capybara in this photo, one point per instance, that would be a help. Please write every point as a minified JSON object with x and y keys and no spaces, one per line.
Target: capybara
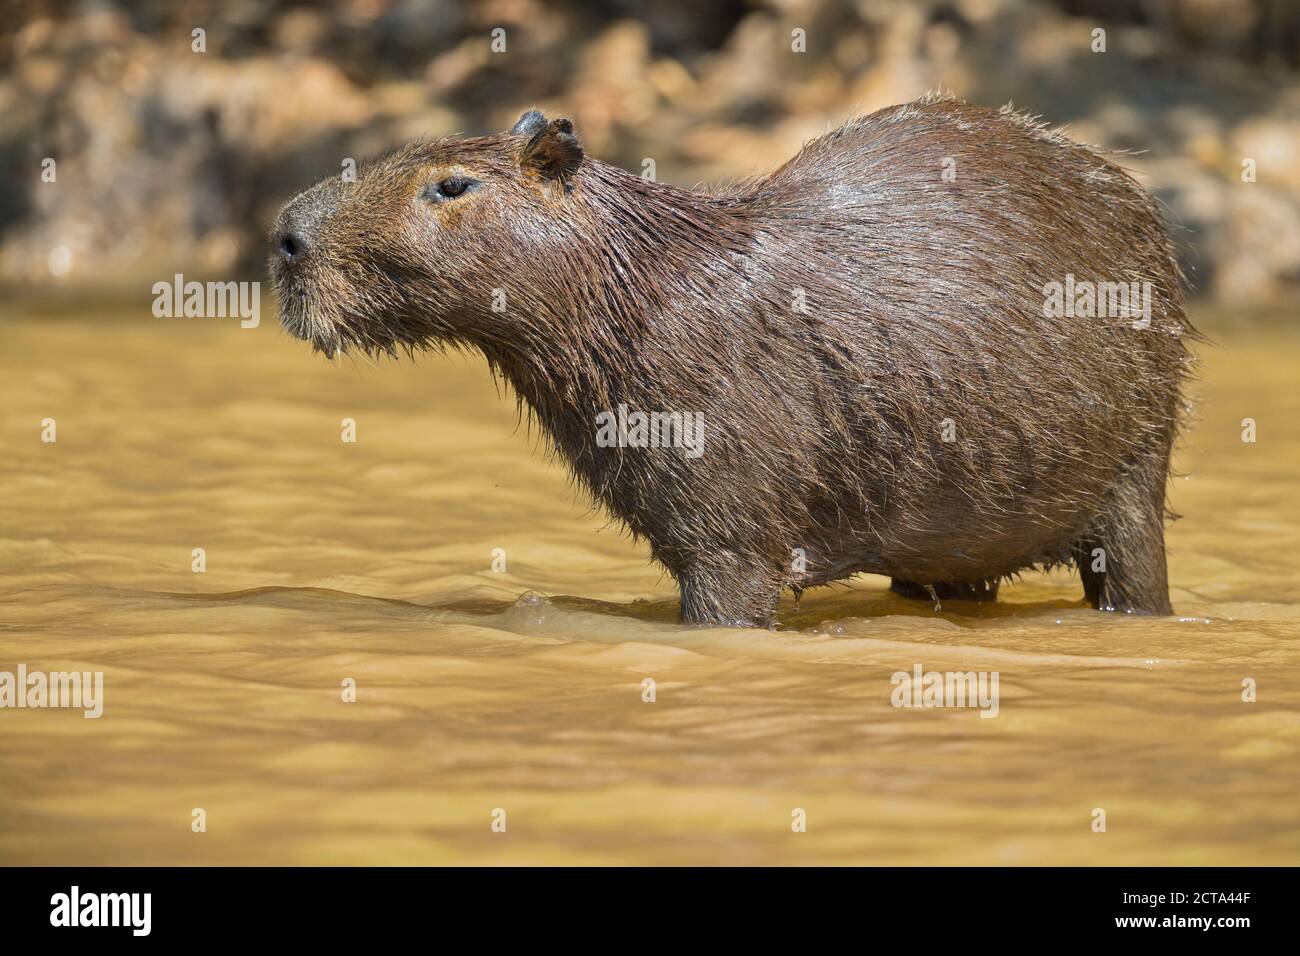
{"x":942,"y":343}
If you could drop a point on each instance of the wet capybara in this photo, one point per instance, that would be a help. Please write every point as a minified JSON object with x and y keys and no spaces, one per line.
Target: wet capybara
{"x":941,"y":343}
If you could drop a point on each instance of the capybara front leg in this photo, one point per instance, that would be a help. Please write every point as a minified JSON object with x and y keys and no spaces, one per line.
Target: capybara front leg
{"x":1122,"y":557}
{"x":729,"y":590}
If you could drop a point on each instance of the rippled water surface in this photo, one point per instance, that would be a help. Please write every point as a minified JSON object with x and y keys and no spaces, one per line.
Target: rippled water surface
{"x":522,"y":690}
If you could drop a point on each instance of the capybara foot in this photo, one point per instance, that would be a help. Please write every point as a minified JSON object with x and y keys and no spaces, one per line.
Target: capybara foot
{"x":946,"y":590}
{"x":726,"y":591}
{"x":1122,"y":558}
{"x":1117,"y":578}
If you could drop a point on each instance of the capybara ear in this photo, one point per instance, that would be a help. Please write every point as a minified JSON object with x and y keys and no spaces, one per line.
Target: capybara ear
{"x":553,"y":153}
{"x":529,"y":124}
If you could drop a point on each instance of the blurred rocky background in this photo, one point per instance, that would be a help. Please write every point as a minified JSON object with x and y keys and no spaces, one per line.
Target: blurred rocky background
{"x":166,"y":158}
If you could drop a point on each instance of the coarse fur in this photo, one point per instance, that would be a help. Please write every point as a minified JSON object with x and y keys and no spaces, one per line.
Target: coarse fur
{"x":864,"y":337}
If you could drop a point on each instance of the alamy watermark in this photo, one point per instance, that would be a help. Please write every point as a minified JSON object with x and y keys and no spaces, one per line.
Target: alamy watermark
{"x":1098,"y":300}
{"x":75,"y":908}
{"x":636,"y":429}
{"x":925,"y":689}
{"x":208,"y":300}
{"x":77,"y":690}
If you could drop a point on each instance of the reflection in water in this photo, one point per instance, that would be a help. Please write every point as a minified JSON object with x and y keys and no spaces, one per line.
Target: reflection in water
{"x":524,"y":689}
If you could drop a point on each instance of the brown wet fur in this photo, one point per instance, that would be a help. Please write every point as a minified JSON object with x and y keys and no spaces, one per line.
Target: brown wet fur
{"x":825,"y":319}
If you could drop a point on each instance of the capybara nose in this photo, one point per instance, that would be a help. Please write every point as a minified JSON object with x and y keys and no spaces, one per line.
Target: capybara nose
{"x":296,"y":230}
{"x":290,"y":245}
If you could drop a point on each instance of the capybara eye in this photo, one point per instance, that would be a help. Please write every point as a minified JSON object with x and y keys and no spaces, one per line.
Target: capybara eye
{"x":453,"y":187}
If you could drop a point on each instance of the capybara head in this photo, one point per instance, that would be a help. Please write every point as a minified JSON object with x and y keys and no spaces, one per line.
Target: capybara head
{"x":407,"y":252}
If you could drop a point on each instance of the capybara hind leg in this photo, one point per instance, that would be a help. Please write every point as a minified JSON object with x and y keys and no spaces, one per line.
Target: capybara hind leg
{"x":727,"y":591}
{"x":1122,"y":559}
{"x":909,"y":589}
{"x":946,"y":590}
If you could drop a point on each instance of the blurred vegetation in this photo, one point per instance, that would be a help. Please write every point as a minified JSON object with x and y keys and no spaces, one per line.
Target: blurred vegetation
{"x":170,"y":159}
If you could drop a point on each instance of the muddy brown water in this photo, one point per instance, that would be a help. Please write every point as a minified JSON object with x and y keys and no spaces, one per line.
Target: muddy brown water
{"x":522,"y":690}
